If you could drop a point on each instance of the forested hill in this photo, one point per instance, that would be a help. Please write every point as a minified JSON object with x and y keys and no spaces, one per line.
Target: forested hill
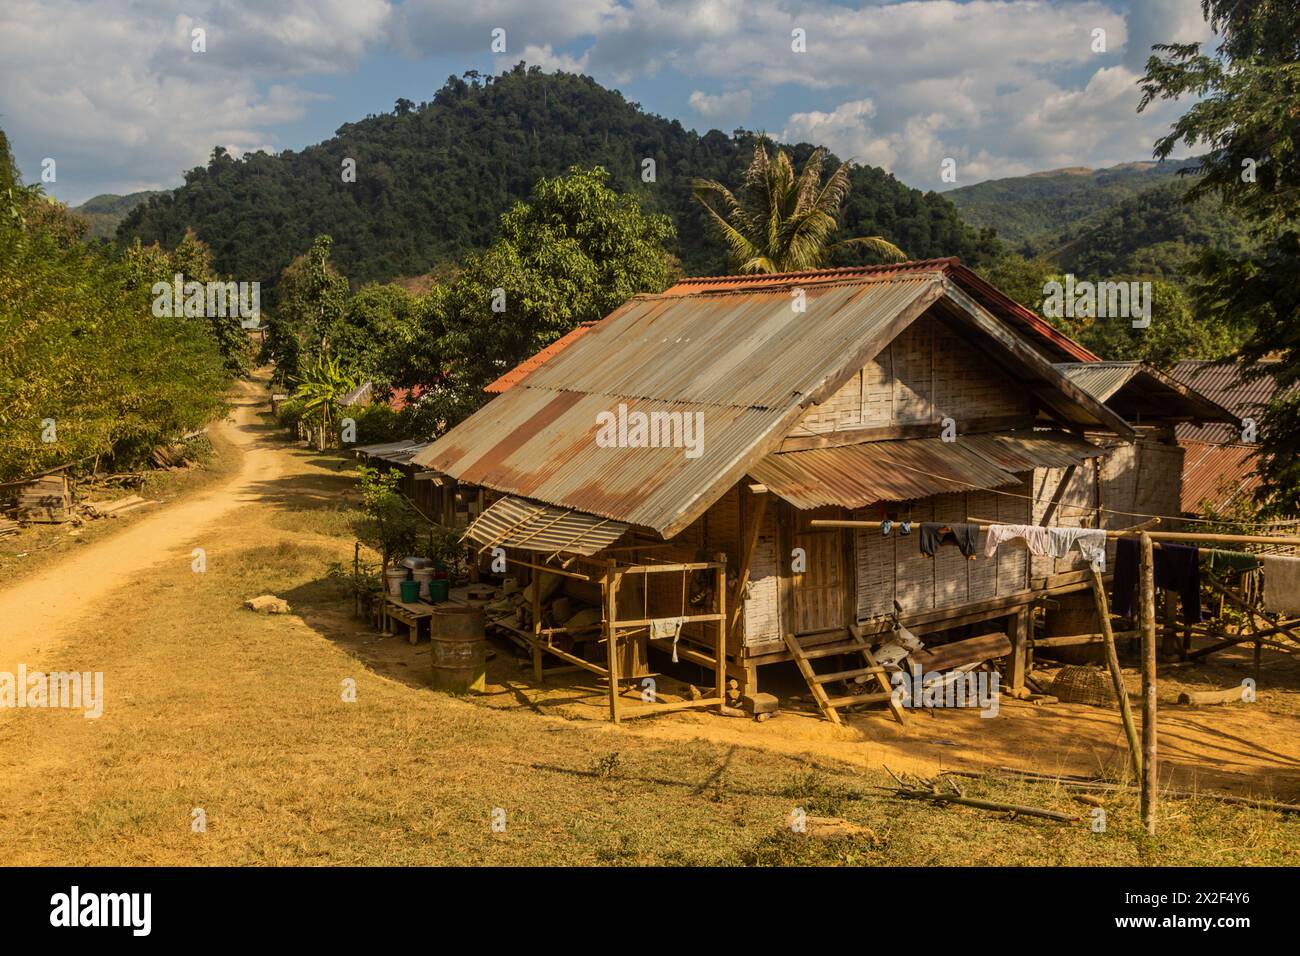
{"x":106,"y":211}
{"x":431,"y":180}
{"x":1155,"y":233}
{"x":1030,"y":210}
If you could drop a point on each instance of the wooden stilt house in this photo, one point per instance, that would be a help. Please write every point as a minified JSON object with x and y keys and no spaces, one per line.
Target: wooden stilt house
{"x":913,"y":392}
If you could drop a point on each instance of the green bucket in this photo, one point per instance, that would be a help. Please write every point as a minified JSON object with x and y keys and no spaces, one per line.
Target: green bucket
{"x":439,"y":588}
{"x":410,"y":591}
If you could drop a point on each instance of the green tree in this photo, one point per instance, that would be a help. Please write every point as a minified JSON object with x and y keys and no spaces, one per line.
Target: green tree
{"x":318,"y":394}
{"x":86,"y":369}
{"x":575,"y":252}
{"x":311,"y":299}
{"x":1246,"y":114}
{"x":782,"y":223}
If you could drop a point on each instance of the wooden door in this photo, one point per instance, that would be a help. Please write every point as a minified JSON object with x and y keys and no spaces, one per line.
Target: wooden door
{"x":820,"y":591}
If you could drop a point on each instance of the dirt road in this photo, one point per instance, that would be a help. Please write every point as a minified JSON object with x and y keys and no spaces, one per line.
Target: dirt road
{"x":37,"y":613}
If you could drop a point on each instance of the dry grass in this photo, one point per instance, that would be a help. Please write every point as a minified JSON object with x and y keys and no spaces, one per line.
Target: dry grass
{"x":211,"y":706}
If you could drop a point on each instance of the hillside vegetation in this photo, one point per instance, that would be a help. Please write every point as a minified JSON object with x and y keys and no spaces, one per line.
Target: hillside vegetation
{"x":433,"y":179}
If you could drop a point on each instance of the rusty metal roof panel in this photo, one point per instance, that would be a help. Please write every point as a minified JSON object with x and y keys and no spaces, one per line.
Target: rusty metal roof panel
{"x":1217,"y":474}
{"x":1027,"y":450}
{"x":530,"y":526}
{"x":397,"y":452}
{"x":1101,"y":380}
{"x":854,"y":476}
{"x":729,"y":348}
{"x":538,"y":443}
{"x":522,"y":370}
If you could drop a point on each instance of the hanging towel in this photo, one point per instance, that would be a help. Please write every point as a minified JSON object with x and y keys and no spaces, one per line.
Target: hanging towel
{"x":1281,"y":584}
{"x":964,"y":536}
{"x":1034,"y":536}
{"x":1091,"y":542}
{"x":667,"y":627}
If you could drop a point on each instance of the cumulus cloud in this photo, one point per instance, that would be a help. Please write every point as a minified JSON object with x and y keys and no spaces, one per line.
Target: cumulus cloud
{"x":1001,"y":86}
{"x":118,"y":97}
{"x":728,"y":107}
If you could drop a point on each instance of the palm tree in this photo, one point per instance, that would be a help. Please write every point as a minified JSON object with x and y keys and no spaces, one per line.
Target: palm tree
{"x":780,"y":223}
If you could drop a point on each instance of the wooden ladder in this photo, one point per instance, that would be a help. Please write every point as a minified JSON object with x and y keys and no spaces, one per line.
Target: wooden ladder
{"x":828,"y":705}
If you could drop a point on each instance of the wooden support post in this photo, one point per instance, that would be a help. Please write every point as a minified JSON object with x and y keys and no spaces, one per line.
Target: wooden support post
{"x":1148,"y":627}
{"x":1018,"y":626}
{"x":537,"y":626}
{"x":610,"y":588}
{"x":720,"y":668}
{"x":1116,"y":675}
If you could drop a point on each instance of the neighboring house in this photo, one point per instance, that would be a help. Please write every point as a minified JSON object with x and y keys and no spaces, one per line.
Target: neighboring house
{"x":827,"y":394}
{"x":1220,"y":465}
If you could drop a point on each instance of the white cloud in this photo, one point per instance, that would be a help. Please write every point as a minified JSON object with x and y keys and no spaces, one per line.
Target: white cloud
{"x":730,"y":107}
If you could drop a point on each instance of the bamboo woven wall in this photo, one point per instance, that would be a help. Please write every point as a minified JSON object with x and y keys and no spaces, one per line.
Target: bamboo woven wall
{"x":926,"y":374}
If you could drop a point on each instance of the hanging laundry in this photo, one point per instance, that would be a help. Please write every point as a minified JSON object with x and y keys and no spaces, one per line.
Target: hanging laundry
{"x":1281,"y":584}
{"x":1034,"y":536}
{"x":1090,"y":541}
{"x":667,"y":627}
{"x":1175,"y":567}
{"x":936,"y":533}
{"x":1050,"y":542}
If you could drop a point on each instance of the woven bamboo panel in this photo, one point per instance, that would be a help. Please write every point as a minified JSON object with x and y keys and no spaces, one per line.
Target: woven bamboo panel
{"x":982,"y":573}
{"x":823,"y":587}
{"x":874,"y":562}
{"x":1013,"y":561}
{"x":950,"y":566}
{"x":762,"y":617}
{"x":913,"y":571}
{"x":913,"y":382}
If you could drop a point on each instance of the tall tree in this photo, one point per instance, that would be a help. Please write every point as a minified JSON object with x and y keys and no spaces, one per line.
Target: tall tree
{"x":1247,"y":116}
{"x":573,"y":253}
{"x":312,"y":297}
{"x":780,"y":222}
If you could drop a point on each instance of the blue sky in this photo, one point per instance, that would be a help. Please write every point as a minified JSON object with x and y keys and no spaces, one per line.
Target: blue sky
{"x":115,"y":94}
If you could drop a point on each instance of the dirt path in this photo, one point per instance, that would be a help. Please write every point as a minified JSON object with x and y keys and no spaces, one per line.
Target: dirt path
{"x":37,"y":612}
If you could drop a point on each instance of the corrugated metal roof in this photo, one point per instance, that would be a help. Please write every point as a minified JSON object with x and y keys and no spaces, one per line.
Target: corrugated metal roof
{"x":1059,"y":345}
{"x":749,"y":362}
{"x":854,"y":476}
{"x":520,"y":371}
{"x":530,"y":526}
{"x":1100,"y":379}
{"x":539,"y":443}
{"x":397,"y":452}
{"x":751,"y":349}
{"x":1137,"y":390}
{"x":1217,"y":466}
{"x":1216,"y":473}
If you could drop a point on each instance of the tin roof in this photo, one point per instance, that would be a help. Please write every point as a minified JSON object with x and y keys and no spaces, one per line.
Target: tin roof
{"x":745,"y":365}
{"x":396,"y":452}
{"x":514,"y":523}
{"x":1140,"y":391}
{"x":1057,"y":343}
{"x":1218,"y":467}
{"x":854,"y":476}
{"x":520,"y":371}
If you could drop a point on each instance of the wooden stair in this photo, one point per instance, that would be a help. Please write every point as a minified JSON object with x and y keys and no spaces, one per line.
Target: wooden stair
{"x":853,"y":644}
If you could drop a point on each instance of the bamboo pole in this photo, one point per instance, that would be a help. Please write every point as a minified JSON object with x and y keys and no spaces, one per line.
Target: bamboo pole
{"x":1116,"y":675}
{"x":1148,"y":627}
{"x":720,"y":666}
{"x":611,"y":631}
{"x":537,"y":626}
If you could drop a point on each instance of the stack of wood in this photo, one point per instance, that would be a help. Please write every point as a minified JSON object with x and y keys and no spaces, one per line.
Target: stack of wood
{"x":47,"y":499}
{"x":8,"y":527}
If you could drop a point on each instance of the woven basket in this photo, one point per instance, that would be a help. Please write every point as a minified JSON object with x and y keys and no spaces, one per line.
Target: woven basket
{"x":1079,"y":684}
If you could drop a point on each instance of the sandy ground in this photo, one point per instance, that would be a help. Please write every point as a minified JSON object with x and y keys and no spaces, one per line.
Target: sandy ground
{"x":37,"y":613}
{"x":1242,"y":748}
